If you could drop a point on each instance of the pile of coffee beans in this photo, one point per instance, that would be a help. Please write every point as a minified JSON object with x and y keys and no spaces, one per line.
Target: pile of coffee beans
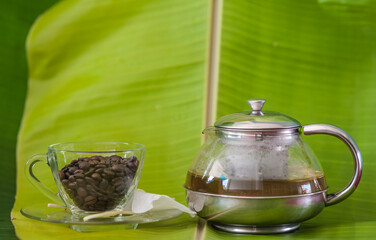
{"x":98,"y":183}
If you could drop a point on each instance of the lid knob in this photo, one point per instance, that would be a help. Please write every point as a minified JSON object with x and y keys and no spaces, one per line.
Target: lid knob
{"x":256,"y":105}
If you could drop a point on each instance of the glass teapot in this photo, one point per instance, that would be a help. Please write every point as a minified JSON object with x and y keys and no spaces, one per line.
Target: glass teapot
{"x":260,"y":154}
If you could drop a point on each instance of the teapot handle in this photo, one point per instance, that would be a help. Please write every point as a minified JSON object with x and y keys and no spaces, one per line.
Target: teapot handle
{"x":328,"y":129}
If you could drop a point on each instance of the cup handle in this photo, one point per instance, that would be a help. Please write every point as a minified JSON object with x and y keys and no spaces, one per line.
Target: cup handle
{"x":33,"y":161}
{"x":328,"y":129}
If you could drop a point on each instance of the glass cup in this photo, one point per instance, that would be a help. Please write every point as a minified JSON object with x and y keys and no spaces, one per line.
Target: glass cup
{"x":90,"y":176}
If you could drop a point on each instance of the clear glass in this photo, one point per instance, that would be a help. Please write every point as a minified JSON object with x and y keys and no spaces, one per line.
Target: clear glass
{"x":41,"y":212}
{"x":91,"y":176}
{"x":248,"y":164}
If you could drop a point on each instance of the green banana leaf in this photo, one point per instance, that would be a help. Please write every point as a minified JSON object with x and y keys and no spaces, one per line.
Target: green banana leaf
{"x":146,"y":71}
{"x":15,"y":20}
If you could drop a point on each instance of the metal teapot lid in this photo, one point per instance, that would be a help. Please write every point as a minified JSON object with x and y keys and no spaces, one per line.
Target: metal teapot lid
{"x":257,"y":119}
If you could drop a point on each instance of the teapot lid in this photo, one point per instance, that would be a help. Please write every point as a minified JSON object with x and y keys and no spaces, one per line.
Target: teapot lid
{"x":257,"y":119}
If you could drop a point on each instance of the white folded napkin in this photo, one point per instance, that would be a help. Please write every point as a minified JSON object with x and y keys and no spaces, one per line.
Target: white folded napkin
{"x":143,"y":202}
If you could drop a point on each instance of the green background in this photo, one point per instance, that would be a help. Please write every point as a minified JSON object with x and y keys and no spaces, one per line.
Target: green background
{"x":16,"y":19}
{"x":136,"y":71}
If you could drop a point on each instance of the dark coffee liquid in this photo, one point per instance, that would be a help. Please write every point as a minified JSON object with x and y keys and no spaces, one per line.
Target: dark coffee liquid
{"x":238,"y":187}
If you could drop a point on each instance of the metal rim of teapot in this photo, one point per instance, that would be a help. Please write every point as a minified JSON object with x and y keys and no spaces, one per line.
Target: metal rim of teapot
{"x":256,"y":197}
{"x":254,"y":132}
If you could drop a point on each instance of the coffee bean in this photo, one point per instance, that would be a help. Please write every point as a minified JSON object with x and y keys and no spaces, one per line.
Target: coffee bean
{"x":78,"y":201}
{"x":80,"y":182}
{"x":99,"y":170}
{"x":94,"y":193}
{"x":65,"y":181}
{"x":110,"y":189}
{"x":103,"y":184}
{"x":72,"y":185}
{"x":78,"y":171}
{"x":109,"y":172}
{"x":61,"y":175}
{"x":81,"y":192}
{"x":70,"y":192}
{"x":117,"y":168}
{"x":115,"y":158}
{"x":98,"y":191}
{"x":128,"y":171}
{"x":86,"y":207}
{"x":93,"y":162}
{"x":90,"y":171}
{"x":96,"y":176}
{"x":90,"y":188}
{"x":79,"y":175}
{"x":101,"y":165}
{"x":72,"y":169}
{"x":117,"y":180}
{"x":84,"y":165}
{"x":132,"y":165}
{"x":119,"y":174}
{"x":90,"y":200}
{"x":91,"y":181}
{"x":120,"y":188}
{"x":71,"y":178}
